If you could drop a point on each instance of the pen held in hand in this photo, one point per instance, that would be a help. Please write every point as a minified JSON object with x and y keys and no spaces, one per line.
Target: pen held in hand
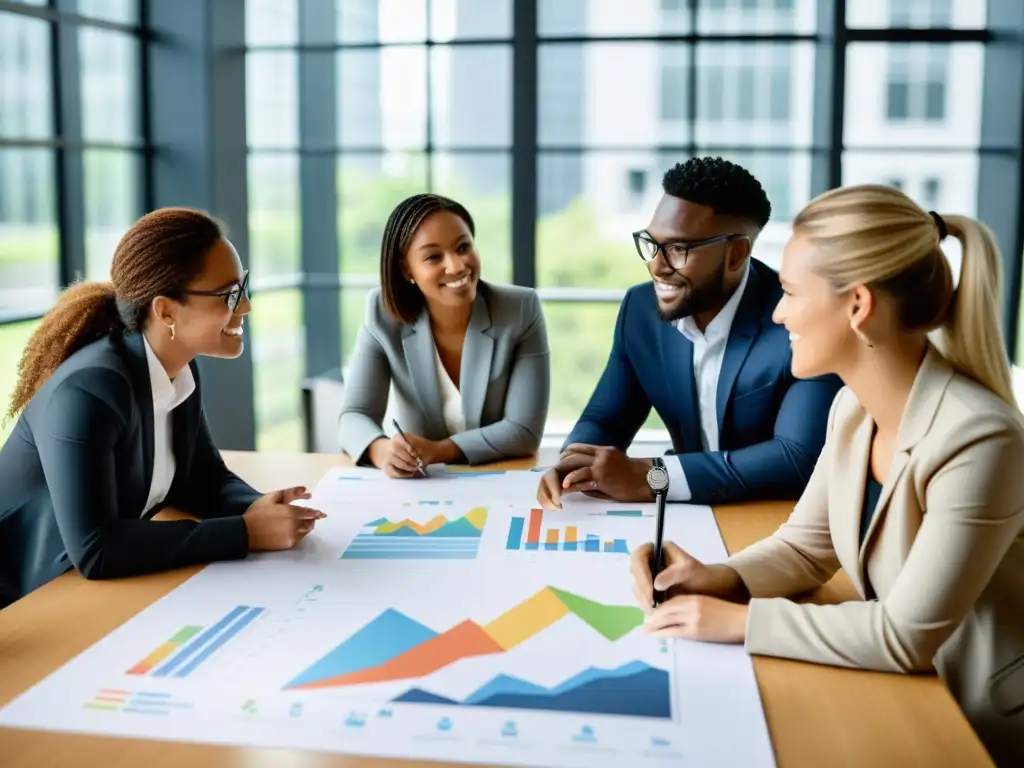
{"x":419,"y":462}
{"x":657,"y":560}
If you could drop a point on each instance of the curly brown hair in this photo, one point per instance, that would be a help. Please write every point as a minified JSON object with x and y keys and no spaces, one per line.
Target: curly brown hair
{"x":160,"y":255}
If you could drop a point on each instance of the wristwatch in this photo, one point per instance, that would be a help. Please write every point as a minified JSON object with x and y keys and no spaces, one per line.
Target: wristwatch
{"x":657,"y":477}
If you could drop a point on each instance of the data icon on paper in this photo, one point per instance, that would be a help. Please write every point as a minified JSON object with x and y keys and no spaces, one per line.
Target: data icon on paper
{"x":586,"y":735}
{"x":556,"y":539}
{"x":355,"y":720}
{"x":442,"y":537}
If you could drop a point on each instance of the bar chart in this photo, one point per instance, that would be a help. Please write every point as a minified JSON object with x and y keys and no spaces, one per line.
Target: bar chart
{"x":191,"y":645}
{"x":567,"y":539}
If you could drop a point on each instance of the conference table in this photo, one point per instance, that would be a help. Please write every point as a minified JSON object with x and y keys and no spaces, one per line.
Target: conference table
{"x":817,"y":716}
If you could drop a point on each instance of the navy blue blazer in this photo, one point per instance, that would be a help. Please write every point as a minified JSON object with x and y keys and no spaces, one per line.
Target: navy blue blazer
{"x":75,"y":476}
{"x":771,"y":425}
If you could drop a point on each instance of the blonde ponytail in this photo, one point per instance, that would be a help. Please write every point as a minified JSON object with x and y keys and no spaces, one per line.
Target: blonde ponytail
{"x":972,"y":337}
{"x":875,"y":235}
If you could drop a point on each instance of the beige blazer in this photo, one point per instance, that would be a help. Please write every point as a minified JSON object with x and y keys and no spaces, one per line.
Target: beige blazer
{"x":944,"y":553}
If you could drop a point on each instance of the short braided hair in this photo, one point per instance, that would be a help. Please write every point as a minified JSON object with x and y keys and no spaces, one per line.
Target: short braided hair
{"x":160,"y":255}
{"x":725,"y":187}
{"x":403,"y":301}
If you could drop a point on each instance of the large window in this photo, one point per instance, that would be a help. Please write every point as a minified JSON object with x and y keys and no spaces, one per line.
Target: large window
{"x":81,"y":151}
{"x":427,"y":98}
{"x":71,"y":153}
{"x":29,"y":251}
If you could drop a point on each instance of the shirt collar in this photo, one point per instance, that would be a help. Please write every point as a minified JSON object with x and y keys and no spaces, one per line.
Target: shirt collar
{"x":167,"y":394}
{"x":720,"y":326}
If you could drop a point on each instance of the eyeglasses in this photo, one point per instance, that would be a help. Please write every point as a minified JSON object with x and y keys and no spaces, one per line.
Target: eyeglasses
{"x":233,"y":295}
{"x":676,"y":253}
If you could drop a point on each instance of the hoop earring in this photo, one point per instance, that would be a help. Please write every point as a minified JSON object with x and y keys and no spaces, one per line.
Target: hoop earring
{"x":864,"y":339}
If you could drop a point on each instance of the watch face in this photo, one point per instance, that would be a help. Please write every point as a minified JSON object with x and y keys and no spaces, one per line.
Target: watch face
{"x":657,"y":479}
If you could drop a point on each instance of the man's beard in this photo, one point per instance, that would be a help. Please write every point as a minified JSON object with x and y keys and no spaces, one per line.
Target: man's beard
{"x":696,"y":300}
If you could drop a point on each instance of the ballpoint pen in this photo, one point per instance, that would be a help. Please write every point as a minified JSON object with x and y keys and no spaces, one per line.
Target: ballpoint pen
{"x":419,"y":461}
{"x":657,"y":481}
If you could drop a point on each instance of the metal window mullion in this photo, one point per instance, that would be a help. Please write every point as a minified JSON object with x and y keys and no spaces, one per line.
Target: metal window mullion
{"x":70,"y":169}
{"x":145,"y":199}
{"x":524,"y":142}
{"x":827,"y":96}
{"x":318,"y":193}
{"x":692,"y":107}
{"x":1001,"y":175}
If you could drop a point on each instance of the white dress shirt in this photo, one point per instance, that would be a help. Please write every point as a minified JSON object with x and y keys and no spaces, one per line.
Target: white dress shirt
{"x":451,"y":399}
{"x":708,"y":354}
{"x":167,"y":395}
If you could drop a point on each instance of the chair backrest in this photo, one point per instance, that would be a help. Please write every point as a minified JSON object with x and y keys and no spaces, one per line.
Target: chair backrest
{"x":322,"y":399}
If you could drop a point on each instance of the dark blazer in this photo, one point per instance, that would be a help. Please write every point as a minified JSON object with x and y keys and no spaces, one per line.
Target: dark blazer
{"x":771,"y":425}
{"x":76,"y":471}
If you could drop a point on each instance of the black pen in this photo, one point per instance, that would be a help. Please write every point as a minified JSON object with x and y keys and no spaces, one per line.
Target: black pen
{"x":657,"y":480}
{"x":419,"y":461}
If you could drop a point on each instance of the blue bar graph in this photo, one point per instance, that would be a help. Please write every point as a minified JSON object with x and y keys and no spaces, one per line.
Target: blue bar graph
{"x":199,"y":642}
{"x":617,"y":546}
{"x":224,"y":637}
{"x":555,"y":539}
{"x":515,"y":533}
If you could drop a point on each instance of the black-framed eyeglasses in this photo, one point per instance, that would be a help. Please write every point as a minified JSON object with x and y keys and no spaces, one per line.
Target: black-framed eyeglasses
{"x":233,"y":295}
{"x":676,"y":252}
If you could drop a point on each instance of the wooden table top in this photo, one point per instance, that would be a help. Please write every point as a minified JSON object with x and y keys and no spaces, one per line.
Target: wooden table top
{"x":817,"y":715}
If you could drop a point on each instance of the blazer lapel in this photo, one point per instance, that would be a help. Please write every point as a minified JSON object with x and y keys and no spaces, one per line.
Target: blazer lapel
{"x":475,"y":371}
{"x":929,"y":386}
{"x":745,"y":328}
{"x":139,"y":366}
{"x":418,"y":345}
{"x":677,"y":352}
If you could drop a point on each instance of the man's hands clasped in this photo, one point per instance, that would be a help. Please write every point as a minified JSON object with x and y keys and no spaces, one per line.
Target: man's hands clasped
{"x":599,"y":471}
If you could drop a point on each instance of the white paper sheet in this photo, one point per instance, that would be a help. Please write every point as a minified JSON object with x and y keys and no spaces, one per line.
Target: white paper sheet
{"x":466,"y":629}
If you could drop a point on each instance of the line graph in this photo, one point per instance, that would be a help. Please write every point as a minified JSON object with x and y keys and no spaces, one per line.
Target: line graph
{"x":440,"y":538}
{"x":394,"y":646}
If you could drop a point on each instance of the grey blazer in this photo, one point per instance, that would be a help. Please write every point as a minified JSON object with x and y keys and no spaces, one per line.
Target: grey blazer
{"x":504,"y":381}
{"x":944,"y":554}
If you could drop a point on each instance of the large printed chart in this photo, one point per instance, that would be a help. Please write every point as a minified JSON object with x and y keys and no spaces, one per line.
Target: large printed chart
{"x":496,"y":649}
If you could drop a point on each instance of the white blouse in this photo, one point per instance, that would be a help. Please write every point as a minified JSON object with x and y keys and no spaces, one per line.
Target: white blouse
{"x":167,"y":395}
{"x":451,"y":398}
